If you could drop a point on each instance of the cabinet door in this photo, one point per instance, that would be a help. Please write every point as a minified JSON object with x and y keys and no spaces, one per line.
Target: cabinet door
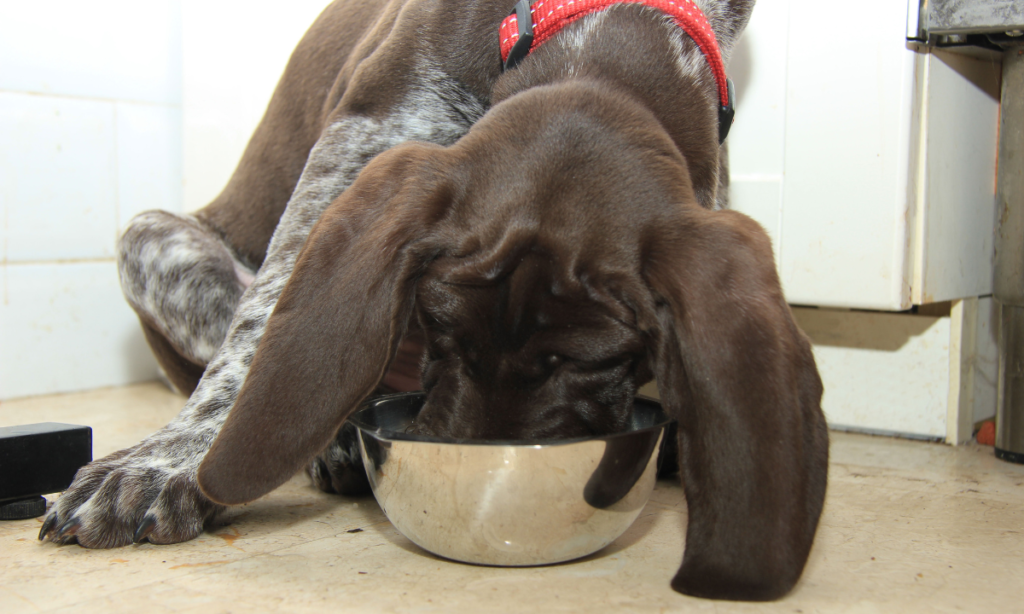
{"x":829,"y":92}
{"x":845,"y":239}
{"x":955,"y":188}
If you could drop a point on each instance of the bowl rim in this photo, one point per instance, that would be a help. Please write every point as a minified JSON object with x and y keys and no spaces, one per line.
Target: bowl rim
{"x":661,"y":420}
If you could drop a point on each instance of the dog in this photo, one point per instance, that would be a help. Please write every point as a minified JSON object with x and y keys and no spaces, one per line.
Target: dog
{"x":530,"y":239}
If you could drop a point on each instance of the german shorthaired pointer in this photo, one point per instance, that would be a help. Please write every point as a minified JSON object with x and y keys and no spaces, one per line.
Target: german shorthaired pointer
{"x":541,"y":238}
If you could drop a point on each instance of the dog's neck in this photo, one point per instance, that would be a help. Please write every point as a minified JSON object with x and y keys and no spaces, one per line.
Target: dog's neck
{"x":663,"y":70}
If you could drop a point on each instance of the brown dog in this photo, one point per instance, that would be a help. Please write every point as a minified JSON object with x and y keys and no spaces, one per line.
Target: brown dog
{"x":552,"y":234}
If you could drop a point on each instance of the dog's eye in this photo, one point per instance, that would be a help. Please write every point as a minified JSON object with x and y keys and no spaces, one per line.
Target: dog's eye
{"x":546,"y":365}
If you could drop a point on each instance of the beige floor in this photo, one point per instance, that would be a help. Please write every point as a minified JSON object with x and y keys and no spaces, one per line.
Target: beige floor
{"x":908,"y":527}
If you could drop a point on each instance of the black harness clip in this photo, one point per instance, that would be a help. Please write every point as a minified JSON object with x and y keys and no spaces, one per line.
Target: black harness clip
{"x":524,"y":20}
{"x":726,"y":114}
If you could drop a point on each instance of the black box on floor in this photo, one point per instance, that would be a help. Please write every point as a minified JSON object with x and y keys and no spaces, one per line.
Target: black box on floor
{"x":36,"y":459}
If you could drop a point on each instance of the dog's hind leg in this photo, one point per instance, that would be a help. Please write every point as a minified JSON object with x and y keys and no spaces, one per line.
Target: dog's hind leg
{"x":184,"y":284}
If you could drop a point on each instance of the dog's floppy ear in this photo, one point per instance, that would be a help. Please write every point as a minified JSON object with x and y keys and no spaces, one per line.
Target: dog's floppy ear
{"x":738,"y":375}
{"x":335,"y":327}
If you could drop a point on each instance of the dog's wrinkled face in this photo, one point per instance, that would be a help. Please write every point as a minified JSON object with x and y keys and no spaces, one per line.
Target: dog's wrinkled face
{"x":528,"y":355}
{"x":526,"y":309}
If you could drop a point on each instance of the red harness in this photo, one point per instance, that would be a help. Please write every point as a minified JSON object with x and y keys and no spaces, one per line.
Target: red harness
{"x":519,"y":35}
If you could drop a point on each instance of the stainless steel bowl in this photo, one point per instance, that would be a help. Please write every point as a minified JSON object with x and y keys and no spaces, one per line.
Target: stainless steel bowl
{"x":510,"y":503}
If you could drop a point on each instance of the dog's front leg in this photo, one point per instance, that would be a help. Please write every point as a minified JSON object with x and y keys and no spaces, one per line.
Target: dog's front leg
{"x":150,"y":491}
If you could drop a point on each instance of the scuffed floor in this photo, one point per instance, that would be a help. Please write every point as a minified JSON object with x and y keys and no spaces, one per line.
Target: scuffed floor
{"x":908,"y":527}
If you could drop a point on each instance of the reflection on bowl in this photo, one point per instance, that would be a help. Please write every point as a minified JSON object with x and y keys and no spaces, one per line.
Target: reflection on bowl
{"x":508,"y":503}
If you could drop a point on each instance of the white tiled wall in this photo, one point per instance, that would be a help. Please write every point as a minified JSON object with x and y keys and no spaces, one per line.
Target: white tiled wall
{"x":231,"y":63}
{"x":90,"y":134}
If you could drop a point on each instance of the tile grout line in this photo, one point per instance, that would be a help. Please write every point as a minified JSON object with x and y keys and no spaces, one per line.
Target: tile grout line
{"x":35,"y":94}
{"x":97,"y":260}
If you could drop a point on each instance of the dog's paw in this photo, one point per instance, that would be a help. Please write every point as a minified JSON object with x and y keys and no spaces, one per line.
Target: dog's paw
{"x":148,"y":492}
{"x":339,"y":468}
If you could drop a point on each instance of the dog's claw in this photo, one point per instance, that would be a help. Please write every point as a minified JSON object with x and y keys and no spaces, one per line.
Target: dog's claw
{"x":48,"y":524}
{"x":147,"y":527}
{"x":68,"y":529}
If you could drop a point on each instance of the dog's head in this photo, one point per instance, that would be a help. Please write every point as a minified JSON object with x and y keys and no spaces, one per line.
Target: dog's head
{"x":527,"y":313}
{"x":556,"y":258}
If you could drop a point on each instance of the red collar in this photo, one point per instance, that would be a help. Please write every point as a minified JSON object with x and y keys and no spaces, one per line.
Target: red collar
{"x":519,"y":36}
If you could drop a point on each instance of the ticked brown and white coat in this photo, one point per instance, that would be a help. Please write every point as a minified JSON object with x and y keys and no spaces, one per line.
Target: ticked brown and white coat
{"x":549,"y":237}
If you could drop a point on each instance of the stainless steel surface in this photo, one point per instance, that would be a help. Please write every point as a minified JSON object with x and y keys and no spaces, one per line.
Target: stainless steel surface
{"x":1009,"y":264}
{"x":960,"y":17}
{"x":1010,"y":404}
{"x":512,"y":503}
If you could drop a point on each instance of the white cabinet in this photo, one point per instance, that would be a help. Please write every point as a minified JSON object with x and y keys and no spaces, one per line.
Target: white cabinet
{"x":870,"y":162}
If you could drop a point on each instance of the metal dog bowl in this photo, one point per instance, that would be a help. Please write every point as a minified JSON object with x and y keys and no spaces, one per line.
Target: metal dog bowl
{"x":510,"y":503}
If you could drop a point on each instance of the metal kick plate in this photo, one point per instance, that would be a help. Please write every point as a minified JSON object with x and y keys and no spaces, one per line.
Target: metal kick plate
{"x":962,"y":17}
